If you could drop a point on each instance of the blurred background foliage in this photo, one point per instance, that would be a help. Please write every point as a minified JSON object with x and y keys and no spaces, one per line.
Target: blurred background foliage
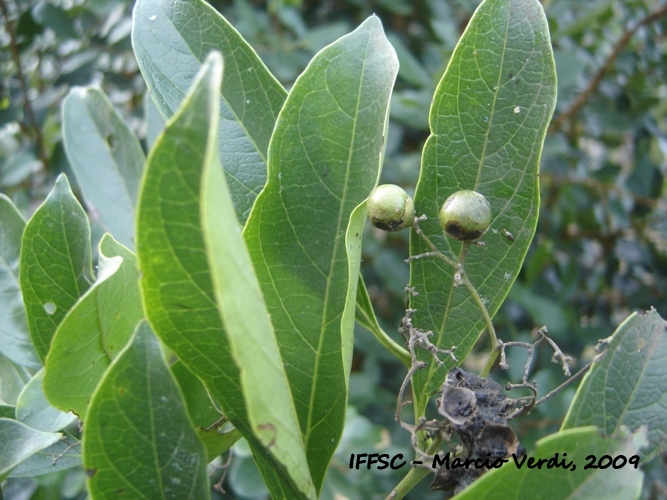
{"x":600,"y":251}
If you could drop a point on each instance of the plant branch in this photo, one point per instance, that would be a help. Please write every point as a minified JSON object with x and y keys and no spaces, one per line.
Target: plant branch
{"x":592,"y":86}
{"x":489,"y":327}
{"x":390,"y":344}
{"x":27,"y":106}
{"x":415,"y":475}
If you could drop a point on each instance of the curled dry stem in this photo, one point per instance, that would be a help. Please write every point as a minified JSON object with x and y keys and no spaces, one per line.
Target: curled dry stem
{"x":416,"y":338}
{"x":531,"y":402}
{"x":225,"y":469}
{"x":69,"y":447}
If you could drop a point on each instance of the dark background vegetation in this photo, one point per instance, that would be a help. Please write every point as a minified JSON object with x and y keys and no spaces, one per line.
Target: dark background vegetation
{"x":600,"y":251}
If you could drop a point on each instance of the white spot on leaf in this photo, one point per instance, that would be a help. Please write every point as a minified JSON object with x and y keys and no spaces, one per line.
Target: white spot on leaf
{"x":49,"y":307}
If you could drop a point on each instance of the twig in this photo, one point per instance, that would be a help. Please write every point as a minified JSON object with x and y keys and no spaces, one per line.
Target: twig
{"x":27,"y":106}
{"x":416,"y":337}
{"x":69,"y":447}
{"x":460,"y":278}
{"x":531,"y":402}
{"x":225,"y":469}
{"x":579,"y":102}
{"x":434,"y":250}
{"x":489,"y":325}
{"x":415,"y":475}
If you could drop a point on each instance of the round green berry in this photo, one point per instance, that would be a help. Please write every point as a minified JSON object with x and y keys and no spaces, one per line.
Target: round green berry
{"x":465,"y":215}
{"x":390,"y":208}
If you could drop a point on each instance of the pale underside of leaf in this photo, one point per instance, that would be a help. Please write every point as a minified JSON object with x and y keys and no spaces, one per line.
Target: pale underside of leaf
{"x":171,"y":39}
{"x":324,"y":160}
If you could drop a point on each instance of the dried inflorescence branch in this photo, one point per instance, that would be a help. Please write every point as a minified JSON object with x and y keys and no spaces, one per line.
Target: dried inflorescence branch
{"x":531,"y":402}
{"x":474,"y":409}
{"x":414,"y":337}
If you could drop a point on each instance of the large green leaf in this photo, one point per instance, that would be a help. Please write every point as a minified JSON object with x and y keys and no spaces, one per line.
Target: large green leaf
{"x":627,"y":387}
{"x":15,"y":340}
{"x":18,"y":442}
{"x":488,"y":122}
{"x":138,"y":439}
{"x":55,"y":265}
{"x":33,"y":409}
{"x":95,"y":330}
{"x":324,"y":160}
{"x":171,"y":39}
{"x":573,"y":482}
{"x":176,"y":281}
{"x":252,"y":341}
{"x":106,"y":158}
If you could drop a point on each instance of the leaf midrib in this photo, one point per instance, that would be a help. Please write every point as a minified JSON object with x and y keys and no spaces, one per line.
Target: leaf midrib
{"x":337,"y":249}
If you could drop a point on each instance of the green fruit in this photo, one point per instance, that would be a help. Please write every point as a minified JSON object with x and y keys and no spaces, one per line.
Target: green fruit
{"x":465,"y":215}
{"x":390,"y":208}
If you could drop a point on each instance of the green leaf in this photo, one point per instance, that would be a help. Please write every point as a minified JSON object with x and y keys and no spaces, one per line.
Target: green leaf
{"x":355,"y":229}
{"x":627,"y":386}
{"x":154,"y":121}
{"x":208,"y":420}
{"x":34,"y":410}
{"x":15,"y":340}
{"x":12,"y":380}
{"x":18,"y":442}
{"x":139,"y":440}
{"x":361,"y":307}
{"x":171,"y":39}
{"x":94,"y":331}
{"x":19,"y":167}
{"x":488,"y":122}
{"x":106,"y":158}
{"x":55,"y":268}
{"x":176,"y":281}
{"x":246,"y":320}
{"x":511,"y":482}
{"x":324,"y":160}
{"x":59,"y":456}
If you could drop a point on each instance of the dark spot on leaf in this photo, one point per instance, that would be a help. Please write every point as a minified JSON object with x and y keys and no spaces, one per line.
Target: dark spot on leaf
{"x":272,"y":427}
{"x":91,"y":472}
{"x":325,"y":172}
{"x":121,"y":391}
{"x":112,"y":141}
{"x":182,"y":306}
{"x":510,"y":76}
{"x":120,"y":491}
